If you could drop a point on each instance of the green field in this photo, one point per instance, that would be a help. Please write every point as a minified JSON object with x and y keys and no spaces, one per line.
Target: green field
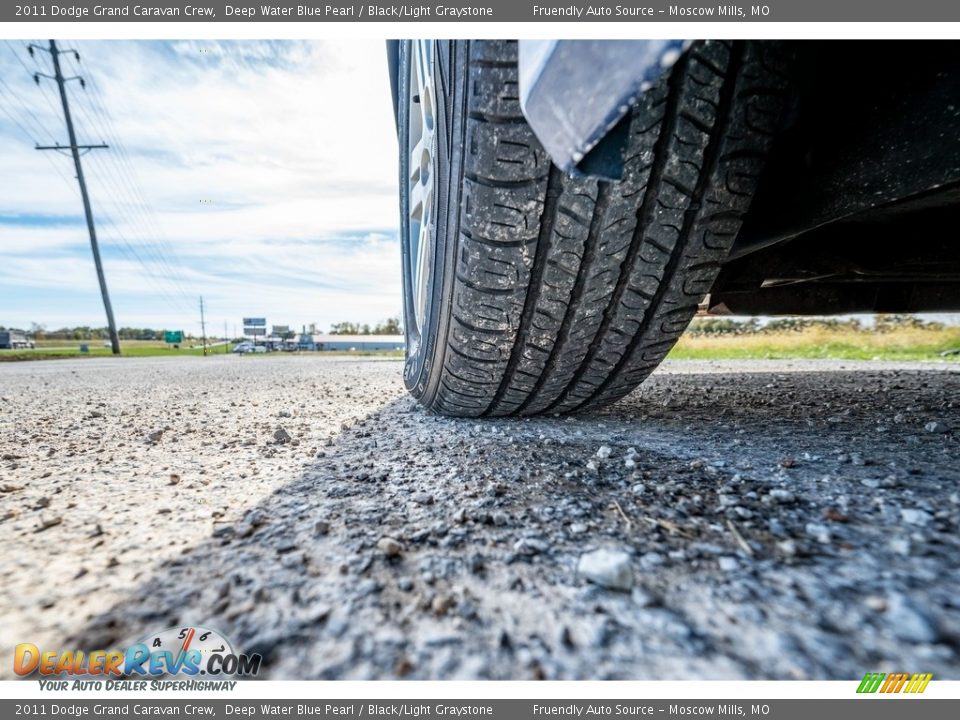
{"x":906,"y":343}
{"x":59,"y":349}
{"x":823,"y":343}
{"x":55,"y":349}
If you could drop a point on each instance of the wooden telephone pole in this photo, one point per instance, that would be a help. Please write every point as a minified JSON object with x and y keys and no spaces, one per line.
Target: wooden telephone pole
{"x":75,"y":151}
{"x":203,"y":327}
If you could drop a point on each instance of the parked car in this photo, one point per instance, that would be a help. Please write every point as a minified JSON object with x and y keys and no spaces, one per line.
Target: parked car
{"x":568,"y":206}
{"x":246,"y":346}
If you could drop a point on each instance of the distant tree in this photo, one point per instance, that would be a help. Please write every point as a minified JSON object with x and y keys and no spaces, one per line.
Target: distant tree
{"x":391,"y":326}
{"x":38,"y":330}
{"x":344,"y":328}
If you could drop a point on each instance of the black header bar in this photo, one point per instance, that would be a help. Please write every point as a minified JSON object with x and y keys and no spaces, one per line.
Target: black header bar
{"x":631,"y":11}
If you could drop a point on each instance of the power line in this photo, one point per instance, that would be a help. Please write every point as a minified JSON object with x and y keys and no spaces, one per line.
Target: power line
{"x":122,"y":244}
{"x":75,"y":150}
{"x":50,"y":101}
{"x":126,"y":207}
{"x":108,"y":186}
{"x":105,"y":217}
{"x":26,"y":110}
{"x":130,"y":183}
{"x":127,"y":188}
{"x":30,"y":136}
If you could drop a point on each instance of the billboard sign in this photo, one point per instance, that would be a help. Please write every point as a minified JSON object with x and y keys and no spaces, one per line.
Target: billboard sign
{"x":254,"y":322}
{"x":173,"y":337}
{"x":254,"y":331}
{"x":281,"y":330}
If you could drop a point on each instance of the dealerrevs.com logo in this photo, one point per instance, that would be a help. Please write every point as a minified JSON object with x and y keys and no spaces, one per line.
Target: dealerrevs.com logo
{"x":182,"y":652}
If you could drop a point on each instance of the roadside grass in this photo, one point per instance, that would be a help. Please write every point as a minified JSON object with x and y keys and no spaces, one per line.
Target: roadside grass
{"x":59,"y":349}
{"x":808,"y":343}
{"x":56,"y":349}
{"x":823,"y":343}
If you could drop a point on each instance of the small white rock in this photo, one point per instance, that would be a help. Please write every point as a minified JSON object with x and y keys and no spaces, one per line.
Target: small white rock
{"x":913,"y":516}
{"x":728,"y":564}
{"x":909,"y":622}
{"x":652,"y":560}
{"x":389,"y":547}
{"x":787,"y":547}
{"x":642,"y":598}
{"x":900,"y":546}
{"x":607,"y":568}
{"x":782,"y":496}
{"x":821,"y":533}
{"x":604,"y":452}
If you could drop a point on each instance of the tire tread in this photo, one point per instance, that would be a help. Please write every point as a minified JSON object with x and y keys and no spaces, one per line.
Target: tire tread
{"x":570,"y":291}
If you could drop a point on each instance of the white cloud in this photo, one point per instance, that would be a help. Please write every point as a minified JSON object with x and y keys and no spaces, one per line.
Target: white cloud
{"x":270,"y":170}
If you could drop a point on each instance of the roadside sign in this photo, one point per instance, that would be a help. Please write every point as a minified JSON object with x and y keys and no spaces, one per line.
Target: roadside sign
{"x":254,"y":331}
{"x":281,"y":330}
{"x":173,"y":337}
{"x":254,"y":322}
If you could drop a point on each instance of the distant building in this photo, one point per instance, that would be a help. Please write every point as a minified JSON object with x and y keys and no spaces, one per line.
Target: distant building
{"x":14,"y":340}
{"x":351,"y":342}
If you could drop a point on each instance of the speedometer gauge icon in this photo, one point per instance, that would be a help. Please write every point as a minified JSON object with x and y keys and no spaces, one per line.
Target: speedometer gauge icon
{"x":180,"y":640}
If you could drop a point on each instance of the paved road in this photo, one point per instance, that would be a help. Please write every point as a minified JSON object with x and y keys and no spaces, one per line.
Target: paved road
{"x":754,"y":520}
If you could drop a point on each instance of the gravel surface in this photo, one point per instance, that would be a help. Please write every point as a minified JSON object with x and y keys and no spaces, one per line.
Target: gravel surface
{"x":728,"y":520}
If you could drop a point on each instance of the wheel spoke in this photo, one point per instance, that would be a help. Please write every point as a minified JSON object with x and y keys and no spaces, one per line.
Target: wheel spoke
{"x":416,"y":160}
{"x":416,"y":200}
{"x":421,"y":156}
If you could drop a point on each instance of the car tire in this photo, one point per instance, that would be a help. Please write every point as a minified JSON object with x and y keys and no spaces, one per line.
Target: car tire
{"x":530,"y":291}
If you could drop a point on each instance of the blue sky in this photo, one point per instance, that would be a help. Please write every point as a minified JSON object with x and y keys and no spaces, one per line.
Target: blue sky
{"x":259,"y":174}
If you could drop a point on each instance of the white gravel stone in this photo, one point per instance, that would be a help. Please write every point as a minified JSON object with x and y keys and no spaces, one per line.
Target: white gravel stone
{"x":907,"y":622}
{"x":389,"y":547}
{"x":607,"y":568}
{"x":821,"y":533}
{"x":900,"y":546}
{"x":782,"y":496}
{"x":728,"y":564}
{"x":787,"y":547}
{"x":915,"y":516}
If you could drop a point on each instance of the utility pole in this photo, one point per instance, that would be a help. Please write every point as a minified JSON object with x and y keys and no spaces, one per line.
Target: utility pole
{"x":226,"y":339}
{"x":75,"y":151}
{"x":203,"y":327}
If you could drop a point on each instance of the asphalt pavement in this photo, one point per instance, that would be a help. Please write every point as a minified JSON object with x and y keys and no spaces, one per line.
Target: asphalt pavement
{"x":762,"y":520}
